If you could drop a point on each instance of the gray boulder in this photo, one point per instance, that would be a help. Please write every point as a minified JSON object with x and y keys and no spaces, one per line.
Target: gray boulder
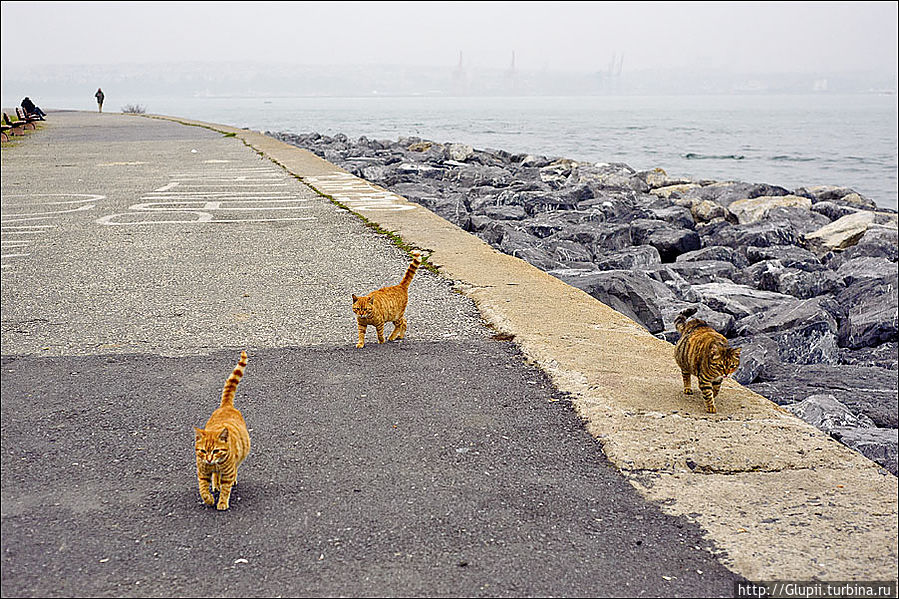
{"x":789,"y":256}
{"x":704,"y":271}
{"x":832,"y":210}
{"x":871,"y":314}
{"x":727,"y":193}
{"x":878,"y":241}
{"x":713,"y":253}
{"x":739,"y":301}
{"x":825,"y":413}
{"x":633,"y":293}
{"x":885,"y":355}
{"x":877,"y":444}
{"x":865,"y":390}
{"x":636,"y":257}
{"x":805,"y":330}
{"x":760,"y":354}
{"x":760,"y":234}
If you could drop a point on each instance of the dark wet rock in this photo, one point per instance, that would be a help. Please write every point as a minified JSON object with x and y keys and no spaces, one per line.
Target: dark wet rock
{"x":636,"y":257}
{"x":865,"y":390}
{"x":633,"y":293}
{"x":879,"y":445}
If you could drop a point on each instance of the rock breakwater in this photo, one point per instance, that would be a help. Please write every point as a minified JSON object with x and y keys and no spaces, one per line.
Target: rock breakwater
{"x":805,"y":279}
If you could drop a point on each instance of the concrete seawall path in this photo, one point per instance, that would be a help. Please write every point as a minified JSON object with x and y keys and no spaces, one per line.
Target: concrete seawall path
{"x":141,"y":255}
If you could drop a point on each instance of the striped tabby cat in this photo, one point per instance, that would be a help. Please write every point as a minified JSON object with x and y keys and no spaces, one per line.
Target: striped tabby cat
{"x":703,"y":352}
{"x":223,"y":444}
{"x":387,"y":304}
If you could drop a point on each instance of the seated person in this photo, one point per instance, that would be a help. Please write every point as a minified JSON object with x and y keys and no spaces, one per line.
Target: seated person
{"x":30,"y":109}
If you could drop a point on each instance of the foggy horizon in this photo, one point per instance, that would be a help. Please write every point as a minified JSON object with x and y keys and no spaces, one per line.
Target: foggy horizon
{"x":747,"y":38}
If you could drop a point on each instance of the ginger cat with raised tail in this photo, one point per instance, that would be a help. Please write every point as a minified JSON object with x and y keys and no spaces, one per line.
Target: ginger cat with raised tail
{"x":223,"y":444}
{"x":384,"y":305}
{"x":705,"y":353}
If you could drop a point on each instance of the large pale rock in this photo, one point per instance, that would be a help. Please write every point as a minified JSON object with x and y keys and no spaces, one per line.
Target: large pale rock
{"x":459,"y":152}
{"x":752,"y":210}
{"x":842,"y":233}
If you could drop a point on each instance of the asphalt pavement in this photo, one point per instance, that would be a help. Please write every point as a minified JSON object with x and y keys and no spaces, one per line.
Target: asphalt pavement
{"x":139,"y":258}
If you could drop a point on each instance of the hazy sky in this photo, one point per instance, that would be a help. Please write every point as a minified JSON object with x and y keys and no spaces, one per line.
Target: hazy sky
{"x":745,"y":37}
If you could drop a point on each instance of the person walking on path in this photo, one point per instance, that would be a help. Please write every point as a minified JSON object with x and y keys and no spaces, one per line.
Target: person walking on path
{"x":99,"y":95}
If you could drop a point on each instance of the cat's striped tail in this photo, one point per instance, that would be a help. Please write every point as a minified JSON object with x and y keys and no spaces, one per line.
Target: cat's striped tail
{"x":410,"y":272}
{"x":681,"y":319}
{"x":233,"y":380}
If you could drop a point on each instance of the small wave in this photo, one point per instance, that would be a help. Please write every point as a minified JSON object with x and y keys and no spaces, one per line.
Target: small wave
{"x":785,"y":158}
{"x":695,"y":156}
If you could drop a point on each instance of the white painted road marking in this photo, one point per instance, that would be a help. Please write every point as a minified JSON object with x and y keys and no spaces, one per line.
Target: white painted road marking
{"x":13,"y":222}
{"x":187,"y":201}
{"x":358,"y":194}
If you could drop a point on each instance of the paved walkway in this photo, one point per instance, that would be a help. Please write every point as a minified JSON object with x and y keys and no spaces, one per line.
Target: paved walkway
{"x":139,"y":257}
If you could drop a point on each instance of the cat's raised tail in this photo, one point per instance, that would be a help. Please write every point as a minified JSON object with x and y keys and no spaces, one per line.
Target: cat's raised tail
{"x":233,"y":380}
{"x":681,"y":319}
{"x":410,"y":272}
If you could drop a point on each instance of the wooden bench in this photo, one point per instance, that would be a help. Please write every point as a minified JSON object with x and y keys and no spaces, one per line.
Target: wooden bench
{"x":16,"y":127}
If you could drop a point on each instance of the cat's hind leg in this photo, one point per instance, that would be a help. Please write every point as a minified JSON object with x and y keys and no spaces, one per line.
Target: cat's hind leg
{"x":399,"y":329}
{"x":688,"y":386}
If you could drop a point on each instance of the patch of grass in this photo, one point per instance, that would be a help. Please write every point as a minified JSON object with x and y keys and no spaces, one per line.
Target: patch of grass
{"x":134,"y":109}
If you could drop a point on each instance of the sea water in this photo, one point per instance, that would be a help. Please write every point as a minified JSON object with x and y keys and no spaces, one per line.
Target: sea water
{"x":787,"y":140}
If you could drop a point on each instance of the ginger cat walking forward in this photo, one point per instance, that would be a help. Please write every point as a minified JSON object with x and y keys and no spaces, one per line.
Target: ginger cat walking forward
{"x":387,"y":304}
{"x":703,"y":352}
{"x":223,"y":444}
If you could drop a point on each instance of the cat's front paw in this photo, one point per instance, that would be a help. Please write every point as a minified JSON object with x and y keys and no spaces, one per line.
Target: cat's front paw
{"x":208,"y":499}
{"x":360,"y":345}
{"x":222,"y":506}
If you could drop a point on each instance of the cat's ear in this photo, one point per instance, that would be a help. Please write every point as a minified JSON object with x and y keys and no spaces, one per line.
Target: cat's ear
{"x":223,"y":436}
{"x":355,"y":298}
{"x":737,"y":351}
{"x":199,"y":433}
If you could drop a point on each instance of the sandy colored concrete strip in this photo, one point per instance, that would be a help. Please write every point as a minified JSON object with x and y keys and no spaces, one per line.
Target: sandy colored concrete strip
{"x":779,"y":498}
